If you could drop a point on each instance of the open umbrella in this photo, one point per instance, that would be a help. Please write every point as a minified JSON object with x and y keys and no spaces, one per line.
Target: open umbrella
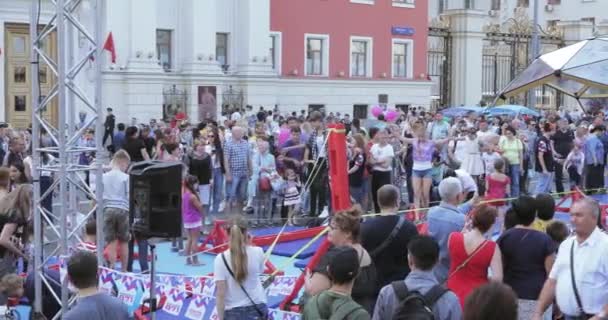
{"x":460,"y":111}
{"x":579,"y":70}
{"x":511,"y":110}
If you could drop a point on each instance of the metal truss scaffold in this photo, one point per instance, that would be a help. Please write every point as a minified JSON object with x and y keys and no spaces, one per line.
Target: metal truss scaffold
{"x":57,"y":231}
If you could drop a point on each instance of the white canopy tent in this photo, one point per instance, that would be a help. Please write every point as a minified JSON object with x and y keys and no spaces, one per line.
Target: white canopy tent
{"x":579,"y":70}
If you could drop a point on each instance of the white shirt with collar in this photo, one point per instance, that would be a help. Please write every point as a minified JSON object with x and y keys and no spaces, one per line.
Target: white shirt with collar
{"x":590,"y":272}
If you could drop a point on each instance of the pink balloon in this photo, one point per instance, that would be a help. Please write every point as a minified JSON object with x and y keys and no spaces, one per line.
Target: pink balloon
{"x":391,"y":115}
{"x":376,"y":111}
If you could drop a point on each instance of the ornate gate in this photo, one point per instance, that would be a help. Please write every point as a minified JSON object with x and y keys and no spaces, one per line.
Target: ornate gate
{"x":439,"y":65}
{"x":506,"y":54}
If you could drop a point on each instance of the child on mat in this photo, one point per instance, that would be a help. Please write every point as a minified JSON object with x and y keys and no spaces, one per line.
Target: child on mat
{"x":192,"y":216}
{"x":291,"y":194}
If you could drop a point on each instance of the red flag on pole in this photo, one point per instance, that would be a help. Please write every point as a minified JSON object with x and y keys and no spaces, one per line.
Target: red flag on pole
{"x":109,"y":46}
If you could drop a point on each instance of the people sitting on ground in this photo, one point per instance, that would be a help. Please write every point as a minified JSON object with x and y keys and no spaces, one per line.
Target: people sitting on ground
{"x":471,"y":254}
{"x":116,"y":210}
{"x":386,"y":236}
{"x":526,"y":267}
{"x":336,"y":302}
{"x":91,"y":304}
{"x":446,"y":218}
{"x":423,"y":254}
{"x":239,"y":292}
{"x":345,"y":230}
{"x":494,"y":301}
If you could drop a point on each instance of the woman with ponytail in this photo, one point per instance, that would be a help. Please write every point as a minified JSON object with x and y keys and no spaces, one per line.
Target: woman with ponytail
{"x":239,"y":291}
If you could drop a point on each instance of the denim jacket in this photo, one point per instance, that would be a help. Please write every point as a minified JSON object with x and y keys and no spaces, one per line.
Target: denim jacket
{"x":443,"y":220}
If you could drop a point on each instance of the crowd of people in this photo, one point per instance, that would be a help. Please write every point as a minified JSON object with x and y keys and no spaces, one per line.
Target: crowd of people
{"x":482,"y":185}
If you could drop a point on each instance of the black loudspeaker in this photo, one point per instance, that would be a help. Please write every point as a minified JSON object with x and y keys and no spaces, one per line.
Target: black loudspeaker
{"x":156,"y":199}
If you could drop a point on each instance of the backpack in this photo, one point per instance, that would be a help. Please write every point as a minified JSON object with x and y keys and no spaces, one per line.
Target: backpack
{"x":338,"y":308}
{"x":413,"y":305}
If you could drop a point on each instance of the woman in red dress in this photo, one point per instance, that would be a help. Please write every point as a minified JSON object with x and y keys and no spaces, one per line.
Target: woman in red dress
{"x":471,"y":254}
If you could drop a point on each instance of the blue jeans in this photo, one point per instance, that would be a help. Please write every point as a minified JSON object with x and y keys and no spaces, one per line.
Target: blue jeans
{"x":544,"y":182}
{"x":358,"y":193}
{"x":246,"y":313}
{"x":515,"y":172}
{"x":237,"y":188}
{"x":217,"y":190}
{"x":142,"y":250}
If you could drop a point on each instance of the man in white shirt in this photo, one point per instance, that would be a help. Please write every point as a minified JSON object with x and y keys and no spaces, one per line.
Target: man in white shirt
{"x":586,"y":254}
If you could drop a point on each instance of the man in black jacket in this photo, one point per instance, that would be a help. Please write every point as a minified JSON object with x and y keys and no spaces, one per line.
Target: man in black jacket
{"x":563,"y":143}
{"x":109,"y":125}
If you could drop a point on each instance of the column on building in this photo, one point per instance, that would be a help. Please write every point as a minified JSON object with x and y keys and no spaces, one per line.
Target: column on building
{"x":198,"y":27}
{"x":142,"y":23}
{"x":252,"y":34}
{"x":576,"y":30}
{"x":467,"y":54}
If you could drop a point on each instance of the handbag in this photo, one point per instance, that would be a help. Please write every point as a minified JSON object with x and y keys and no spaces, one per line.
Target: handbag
{"x":582,"y":315}
{"x":263,"y":316}
{"x":263,"y":181}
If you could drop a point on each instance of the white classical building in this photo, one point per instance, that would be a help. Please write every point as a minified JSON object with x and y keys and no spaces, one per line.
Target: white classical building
{"x":200,"y":55}
{"x":471,"y":50}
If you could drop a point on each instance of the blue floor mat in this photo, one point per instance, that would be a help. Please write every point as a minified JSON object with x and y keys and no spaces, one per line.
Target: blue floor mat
{"x":287,"y":249}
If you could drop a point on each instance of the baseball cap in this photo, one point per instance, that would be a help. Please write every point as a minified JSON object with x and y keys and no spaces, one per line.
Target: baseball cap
{"x":344,"y":265}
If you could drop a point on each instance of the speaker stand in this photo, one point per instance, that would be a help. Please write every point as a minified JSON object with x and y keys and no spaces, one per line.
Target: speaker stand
{"x":152,"y":300}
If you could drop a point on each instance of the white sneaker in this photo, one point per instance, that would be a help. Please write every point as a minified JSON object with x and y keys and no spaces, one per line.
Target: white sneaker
{"x":222,"y":206}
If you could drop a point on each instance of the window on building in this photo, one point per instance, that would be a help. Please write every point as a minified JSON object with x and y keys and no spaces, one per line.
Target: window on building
{"x":163,"y":48}
{"x":523,"y":3}
{"x":358,"y":58}
{"x":442,"y":6}
{"x":552,"y":24}
{"x":316,"y":107}
{"x":469,"y":4}
{"x":495,"y":4}
{"x":403,"y":2}
{"x":360,"y":111}
{"x":221,"y":49}
{"x":273,"y":50}
{"x":316,"y":56}
{"x":402,"y":58}
{"x":590,"y":19}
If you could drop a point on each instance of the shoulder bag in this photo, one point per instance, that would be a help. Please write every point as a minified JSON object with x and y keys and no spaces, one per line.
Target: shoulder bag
{"x":391,"y":237}
{"x":579,"y":303}
{"x":253,"y":304}
{"x":467,"y":260}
